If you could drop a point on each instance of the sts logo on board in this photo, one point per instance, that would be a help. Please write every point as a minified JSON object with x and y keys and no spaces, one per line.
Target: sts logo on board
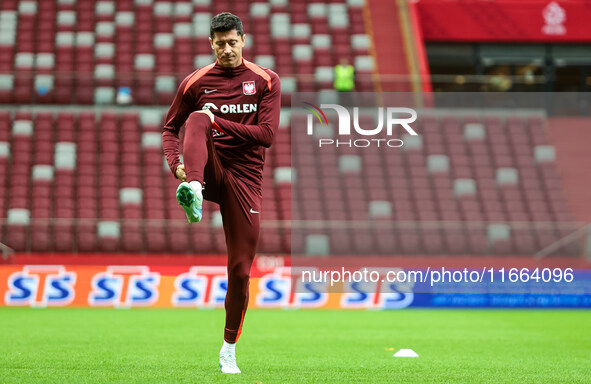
{"x":41,"y":286}
{"x":377,"y":295}
{"x":201,"y":287}
{"x":284,"y":288}
{"x":124,"y":287}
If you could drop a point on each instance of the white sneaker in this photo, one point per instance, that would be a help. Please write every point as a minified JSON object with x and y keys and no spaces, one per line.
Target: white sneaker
{"x":190,"y":201}
{"x":228,"y":363}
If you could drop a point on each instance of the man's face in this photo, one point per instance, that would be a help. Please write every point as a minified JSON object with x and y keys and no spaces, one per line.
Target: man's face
{"x":228,"y":48}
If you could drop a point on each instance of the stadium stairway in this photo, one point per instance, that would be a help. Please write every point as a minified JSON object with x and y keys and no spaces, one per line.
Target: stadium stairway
{"x":399,"y":49}
{"x":571,"y":137}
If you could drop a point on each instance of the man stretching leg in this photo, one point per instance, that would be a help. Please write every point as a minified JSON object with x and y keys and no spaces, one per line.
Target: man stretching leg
{"x":230,"y":110}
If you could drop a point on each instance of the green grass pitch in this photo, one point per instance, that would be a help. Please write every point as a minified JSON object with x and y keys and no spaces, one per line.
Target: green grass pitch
{"x":176,"y":345}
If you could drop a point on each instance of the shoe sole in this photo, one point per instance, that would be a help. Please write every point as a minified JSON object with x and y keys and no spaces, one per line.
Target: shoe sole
{"x":185,"y":197}
{"x":228,"y":373}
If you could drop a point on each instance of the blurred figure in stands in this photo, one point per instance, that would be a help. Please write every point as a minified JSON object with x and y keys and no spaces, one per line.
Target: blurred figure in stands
{"x":344,"y":80}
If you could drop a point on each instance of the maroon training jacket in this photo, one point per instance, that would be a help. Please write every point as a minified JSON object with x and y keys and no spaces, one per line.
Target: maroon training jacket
{"x":246,"y":102}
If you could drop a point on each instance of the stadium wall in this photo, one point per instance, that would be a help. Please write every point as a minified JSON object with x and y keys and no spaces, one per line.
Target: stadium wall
{"x":505,"y":21}
{"x":204,"y":286}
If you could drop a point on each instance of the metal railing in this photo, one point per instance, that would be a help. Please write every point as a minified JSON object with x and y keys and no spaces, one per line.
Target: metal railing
{"x":6,"y":251}
{"x":568,"y":239}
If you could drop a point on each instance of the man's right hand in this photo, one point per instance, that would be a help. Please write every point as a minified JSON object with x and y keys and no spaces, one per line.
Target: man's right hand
{"x":208,"y":113}
{"x":180,"y":173}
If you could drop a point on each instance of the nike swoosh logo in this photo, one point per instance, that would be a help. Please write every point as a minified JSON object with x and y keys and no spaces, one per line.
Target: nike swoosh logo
{"x":210,"y":90}
{"x":253,"y":211}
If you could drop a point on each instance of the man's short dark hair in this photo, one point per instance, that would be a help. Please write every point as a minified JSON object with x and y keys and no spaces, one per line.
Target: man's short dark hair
{"x":225,"y":22}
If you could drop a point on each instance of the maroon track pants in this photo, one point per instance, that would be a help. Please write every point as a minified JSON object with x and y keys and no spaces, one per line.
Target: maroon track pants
{"x":237,"y":200}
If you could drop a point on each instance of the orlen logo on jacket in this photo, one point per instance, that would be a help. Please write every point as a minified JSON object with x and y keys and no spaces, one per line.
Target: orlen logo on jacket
{"x":387,"y":118}
{"x":41,"y":286}
{"x":201,"y":287}
{"x":231,"y":108}
{"x":124,"y":286}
